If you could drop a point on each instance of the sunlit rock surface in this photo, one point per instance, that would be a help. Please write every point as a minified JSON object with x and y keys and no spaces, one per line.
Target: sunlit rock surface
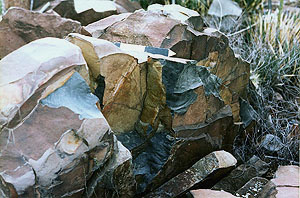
{"x":20,"y":26}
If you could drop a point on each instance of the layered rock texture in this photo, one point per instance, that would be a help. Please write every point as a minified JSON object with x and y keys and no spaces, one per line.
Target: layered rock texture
{"x":110,"y":112}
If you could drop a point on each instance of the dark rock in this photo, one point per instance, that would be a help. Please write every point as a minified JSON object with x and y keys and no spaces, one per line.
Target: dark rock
{"x":85,"y":12}
{"x":252,"y":188}
{"x":7,"y":190}
{"x":212,"y":163}
{"x":242,"y":174}
{"x":128,"y":6}
{"x":20,"y":26}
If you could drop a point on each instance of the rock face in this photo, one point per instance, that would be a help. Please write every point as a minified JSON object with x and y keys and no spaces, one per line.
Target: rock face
{"x":209,"y":47}
{"x":59,"y":139}
{"x":6,"y":4}
{"x":175,"y":96}
{"x":92,"y":10}
{"x":255,"y":167}
{"x":217,"y":161}
{"x":211,"y":194}
{"x":19,"y":27}
{"x":253,"y":188}
{"x":287,"y":181}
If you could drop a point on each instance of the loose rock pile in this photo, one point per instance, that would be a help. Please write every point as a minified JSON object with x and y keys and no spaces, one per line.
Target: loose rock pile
{"x":103,"y":110}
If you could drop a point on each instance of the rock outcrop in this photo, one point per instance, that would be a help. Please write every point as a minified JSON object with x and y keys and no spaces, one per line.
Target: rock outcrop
{"x":20,"y":26}
{"x":218,"y":162}
{"x":53,"y":136}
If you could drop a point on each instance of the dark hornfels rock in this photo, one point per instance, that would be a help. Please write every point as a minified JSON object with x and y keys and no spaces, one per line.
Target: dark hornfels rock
{"x":19,"y":27}
{"x":253,"y":188}
{"x":85,"y":12}
{"x":218,"y":161}
{"x":158,"y":94}
{"x":255,"y":167}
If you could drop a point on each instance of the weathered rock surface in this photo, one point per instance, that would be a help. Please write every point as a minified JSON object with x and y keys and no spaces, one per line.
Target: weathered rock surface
{"x":90,"y":11}
{"x":34,"y":65}
{"x":253,"y":188}
{"x":209,"y":47}
{"x":170,"y":95}
{"x":217,"y":161}
{"x":19,"y":27}
{"x":97,"y":28}
{"x":201,"y":193}
{"x":6,"y":4}
{"x":139,"y":28}
{"x":255,"y":167}
{"x":7,"y":190}
{"x":287,"y":181}
{"x":117,"y":79}
{"x":59,"y":140}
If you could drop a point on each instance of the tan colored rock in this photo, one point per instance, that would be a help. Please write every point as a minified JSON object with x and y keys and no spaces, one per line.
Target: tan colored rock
{"x":211,"y":194}
{"x":124,"y":80}
{"x":20,"y":26}
{"x":287,"y":181}
{"x":26,"y":4}
{"x":217,"y":161}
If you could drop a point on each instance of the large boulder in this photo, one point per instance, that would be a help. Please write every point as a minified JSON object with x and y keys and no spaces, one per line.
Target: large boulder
{"x":19,"y":27}
{"x":53,"y":137}
{"x":184,"y":35}
{"x":141,"y":97}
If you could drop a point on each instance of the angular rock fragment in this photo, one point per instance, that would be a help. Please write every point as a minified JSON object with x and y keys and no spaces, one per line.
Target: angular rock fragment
{"x":59,"y":139}
{"x":97,"y":28}
{"x":126,"y":6}
{"x":86,"y":12}
{"x":209,"y":47}
{"x":218,"y":161}
{"x":253,"y":188}
{"x":34,"y":65}
{"x":175,"y":11}
{"x":287,"y":181}
{"x":7,"y":190}
{"x":6,"y":4}
{"x":116,"y":78}
{"x":255,"y":167}
{"x":19,"y":27}
{"x":211,"y":194}
{"x":138,"y":28}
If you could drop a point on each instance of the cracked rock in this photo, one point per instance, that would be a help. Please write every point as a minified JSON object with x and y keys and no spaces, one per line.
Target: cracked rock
{"x":20,"y":26}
